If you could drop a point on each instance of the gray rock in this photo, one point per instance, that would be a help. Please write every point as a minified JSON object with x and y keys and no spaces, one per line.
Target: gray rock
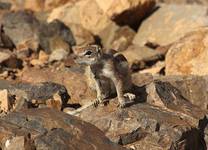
{"x":26,"y":31}
{"x":50,"y":129}
{"x":30,"y":95}
{"x":21,"y":27}
{"x":140,"y":122}
{"x":56,"y":28}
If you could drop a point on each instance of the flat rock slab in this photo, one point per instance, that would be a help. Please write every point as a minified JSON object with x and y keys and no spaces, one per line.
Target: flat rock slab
{"x":50,"y":129}
{"x":140,"y":122}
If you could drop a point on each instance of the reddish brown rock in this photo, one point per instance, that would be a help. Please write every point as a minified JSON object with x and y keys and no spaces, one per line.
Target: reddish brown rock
{"x":140,"y":122}
{"x":74,"y":81}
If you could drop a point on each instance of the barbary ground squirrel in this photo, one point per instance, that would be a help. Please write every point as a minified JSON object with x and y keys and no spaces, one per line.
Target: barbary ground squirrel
{"x":107,"y":73}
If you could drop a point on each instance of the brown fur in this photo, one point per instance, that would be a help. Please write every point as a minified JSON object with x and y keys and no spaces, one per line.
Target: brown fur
{"x":106,"y":72}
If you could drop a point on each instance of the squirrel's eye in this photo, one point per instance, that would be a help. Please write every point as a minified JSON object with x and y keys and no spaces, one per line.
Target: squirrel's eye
{"x":88,"y":53}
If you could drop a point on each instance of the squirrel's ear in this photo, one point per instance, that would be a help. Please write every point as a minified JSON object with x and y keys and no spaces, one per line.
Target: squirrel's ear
{"x":99,"y":49}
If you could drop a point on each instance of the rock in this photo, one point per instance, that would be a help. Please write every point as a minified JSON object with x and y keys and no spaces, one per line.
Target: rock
{"x":163,"y":94}
{"x":4,"y":56}
{"x":9,"y":59}
{"x":123,"y":38}
{"x":51,"y":4}
{"x":58,"y":55}
{"x":188,"y":55}
{"x":42,"y":59}
{"x":15,"y":142}
{"x":36,"y":5}
{"x":198,"y":2}
{"x":190,"y":87}
{"x":40,"y":92}
{"x":21,"y":27}
{"x":55,"y":36}
{"x":129,"y":12}
{"x":96,"y":15}
{"x":47,"y":129}
{"x":172,"y":24}
{"x":74,"y":81}
{"x":86,"y":13}
{"x":190,"y":90}
{"x":5,"y":5}
{"x":5,"y":104}
{"x":117,"y":38}
{"x":156,"y":69}
{"x":139,"y":57}
{"x":26,"y":32}
{"x":25,"y":95}
{"x":5,"y":41}
{"x":82,"y":36}
{"x":140,"y":122}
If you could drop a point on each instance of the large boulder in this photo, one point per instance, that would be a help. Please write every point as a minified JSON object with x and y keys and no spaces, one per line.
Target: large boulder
{"x":27,"y":32}
{"x":95,"y":15}
{"x":128,"y":12}
{"x":87,"y":13}
{"x":22,"y":28}
{"x":55,"y":36}
{"x":171,"y":22}
{"x":50,"y":129}
{"x":188,"y":55}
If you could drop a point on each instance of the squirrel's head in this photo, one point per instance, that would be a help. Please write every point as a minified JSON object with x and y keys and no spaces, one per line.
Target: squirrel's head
{"x":88,"y":55}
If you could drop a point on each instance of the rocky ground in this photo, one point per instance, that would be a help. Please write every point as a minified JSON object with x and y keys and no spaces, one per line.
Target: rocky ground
{"x":165,"y":43}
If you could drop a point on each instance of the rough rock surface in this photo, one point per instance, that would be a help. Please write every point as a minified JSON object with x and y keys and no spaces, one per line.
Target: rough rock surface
{"x":50,"y":129}
{"x":74,"y":81}
{"x":129,"y":12}
{"x":141,"y":122}
{"x":198,"y":2}
{"x":117,"y":38}
{"x":190,"y":87}
{"x":16,"y":96}
{"x":162,"y":42}
{"x":87,"y":13}
{"x":21,"y":27}
{"x":138,"y":57}
{"x":26,"y":31}
{"x":95,"y":15}
{"x":171,"y":22}
{"x":188,"y":55}
{"x":55,"y":36}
